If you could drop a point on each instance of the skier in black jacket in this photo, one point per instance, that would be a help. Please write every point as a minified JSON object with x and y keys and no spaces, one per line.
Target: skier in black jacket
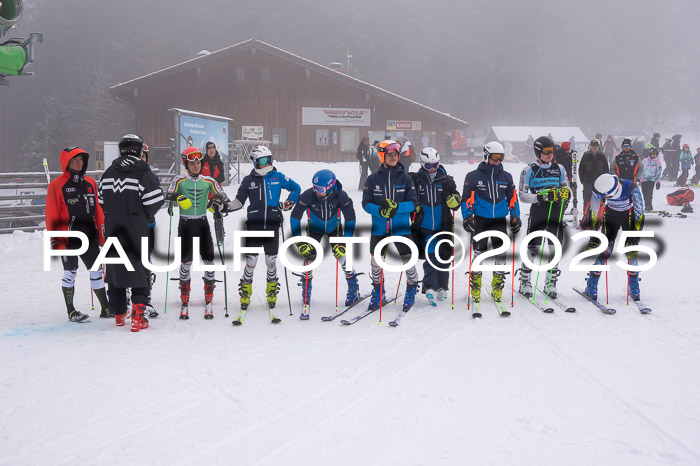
{"x":592,"y":165}
{"x":627,"y":162}
{"x":129,"y":196}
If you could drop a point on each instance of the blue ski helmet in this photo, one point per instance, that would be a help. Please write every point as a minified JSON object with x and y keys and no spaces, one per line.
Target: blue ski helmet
{"x":324,"y":182}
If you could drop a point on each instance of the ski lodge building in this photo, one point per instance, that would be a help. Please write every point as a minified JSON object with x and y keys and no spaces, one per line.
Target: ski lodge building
{"x":302,"y":110}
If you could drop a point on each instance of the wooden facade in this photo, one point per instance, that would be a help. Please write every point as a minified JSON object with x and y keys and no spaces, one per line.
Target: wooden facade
{"x":257,"y":84}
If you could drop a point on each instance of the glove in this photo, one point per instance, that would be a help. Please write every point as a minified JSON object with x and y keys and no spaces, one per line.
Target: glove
{"x":658,"y":185}
{"x":469,"y":224}
{"x":217,"y":205}
{"x":418,"y":208}
{"x":388,"y":208}
{"x":639,"y":223}
{"x":593,"y":243}
{"x":184,"y":202}
{"x":170,"y":208}
{"x":589,"y":222}
{"x":515,"y":224}
{"x":286,"y":205}
{"x":305,"y":249}
{"x":454,"y":201}
{"x":548,"y":195}
{"x":564,"y":193}
{"x":338,"y":250}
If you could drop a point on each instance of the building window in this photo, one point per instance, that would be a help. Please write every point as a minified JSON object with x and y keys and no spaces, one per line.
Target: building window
{"x":322,"y":138}
{"x":348,"y":139}
{"x":240,"y":73}
{"x":265,"y":75}
{"x":279,"y":138}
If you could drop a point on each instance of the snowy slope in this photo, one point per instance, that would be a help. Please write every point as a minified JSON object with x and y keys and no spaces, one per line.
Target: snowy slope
{"x":574,"y":389}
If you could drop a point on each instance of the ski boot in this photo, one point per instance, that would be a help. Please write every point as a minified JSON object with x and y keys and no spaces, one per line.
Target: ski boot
{"x":138,"y":320}
{"x":525,"y":287}
{"x":592,"y":285}
{"x":106,"y":314}
{"x":101,"y":294}
{"x":208,"y":297}
{"x":432,"y":297}
{"x":305,"y":284}
{"x":497,"y":283}
{"x":475,"y":279}
{"x":634,"y":285}
{"x":245,"y":290}
{"x":377,"y":296}
{"x":273,"y":288}
{"x":550,"y":287}
{"x":410,"y":298}
{"x":77,"y":316}
{"x":687,"y":209}
{"x":353,"y":290}
{"x":442,"y":294}
{"x":120,"y":319}
{"x":152,"y":313}
{"x":185,"y":297}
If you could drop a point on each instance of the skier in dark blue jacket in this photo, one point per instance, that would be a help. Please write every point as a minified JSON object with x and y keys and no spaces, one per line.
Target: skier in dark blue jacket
{"x":489,"y":195}
{"x":324,"y":204}
{"x":437,"y":197}
{"x":390,"y":196}
{"x":263,"y":187}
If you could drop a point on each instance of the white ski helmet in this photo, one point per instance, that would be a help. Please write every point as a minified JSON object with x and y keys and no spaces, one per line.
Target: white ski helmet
{"x":493,"y":147}
{"x":258,"y":153}
{"x":608,"y":186}
{"x":430,"y":158}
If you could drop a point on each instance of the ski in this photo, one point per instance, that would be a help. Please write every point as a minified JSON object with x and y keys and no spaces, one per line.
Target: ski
{"x":644,"y":309}
{"x":338,"y":314}
{"x":561,"y":305}
{"x":395,"y":322}
{"x":534,"y":302}
{"x":574,"y":175}
{"x":502,"y":309}
{"x":476,"y":309}
{"x":605,"y":309}
{"x":241,"y":316}
{"x":367,"y":312}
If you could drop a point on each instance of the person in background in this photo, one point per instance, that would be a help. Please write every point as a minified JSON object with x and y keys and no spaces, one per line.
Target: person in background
{"x":592,"y":165}
{"x":363,"y":157}
{"x":610,"y":149}
{"x":672,"y":154}
{"x":562,"y":156}
{"x":572,"y":142}
{"x":638,"y":146}
{"x":373,"y":159}
{"x":651,"y":174}
{"x":212,"y":165}
{"x":627,"y":162}
{"x":71,"y":205}
{"x":408,"y":153}
{"x":448,"y":149}
{"x":686,"y":162}
{"x":696,"y":178}
{"x":655,"y":140}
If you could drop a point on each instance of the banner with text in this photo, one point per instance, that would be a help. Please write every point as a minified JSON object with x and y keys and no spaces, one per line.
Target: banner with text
{"x":312,"y":116}
{"x":397,"y":125}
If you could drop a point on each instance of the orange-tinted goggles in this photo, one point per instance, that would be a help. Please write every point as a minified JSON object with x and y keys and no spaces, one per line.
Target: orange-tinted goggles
{"x":193,"y":156}
{"x":547,"y":150}
{"x":498,"y":157}
{"x":394,"y":147}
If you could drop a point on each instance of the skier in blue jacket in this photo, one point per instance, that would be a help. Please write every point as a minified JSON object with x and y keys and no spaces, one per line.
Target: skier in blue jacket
{"x":324,"y":204}
{"x":489,"y":195}
{"x":263,"y":188}
{"x":438,"y":198}
{"x":390,"y":196}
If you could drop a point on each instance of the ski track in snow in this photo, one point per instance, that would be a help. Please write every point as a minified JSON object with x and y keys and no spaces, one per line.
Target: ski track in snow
{"x":443,"y":388}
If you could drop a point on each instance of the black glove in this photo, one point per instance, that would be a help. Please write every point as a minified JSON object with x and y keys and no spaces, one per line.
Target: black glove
{"x":548,"y":195}
{"x":515,"y":224}
{"x":170,"y":208}
{"x":286,"y":205}
{"x":469,"y":224}
{"x":388,"y":208}
{"x":658,"y":185}
{"x":217,"y":205}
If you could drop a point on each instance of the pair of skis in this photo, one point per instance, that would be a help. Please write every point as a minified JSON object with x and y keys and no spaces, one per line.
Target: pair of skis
{"x":502,"y":309}
{"x":546,"y":306}
{"x":641,"y":307}
{"x":242,"y":313}
{"x":362,"y":315}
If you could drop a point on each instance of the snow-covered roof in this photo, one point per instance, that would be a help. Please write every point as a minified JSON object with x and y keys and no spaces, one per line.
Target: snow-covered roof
{"x":121,"y":88}
{"x":521,"y":133}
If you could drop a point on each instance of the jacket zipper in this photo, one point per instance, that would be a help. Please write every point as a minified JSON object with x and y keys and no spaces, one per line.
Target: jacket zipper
{"x":264,"y":187}
{"x":493,"y":204}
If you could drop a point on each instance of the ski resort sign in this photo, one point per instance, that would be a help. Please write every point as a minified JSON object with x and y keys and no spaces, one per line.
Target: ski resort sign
{"x":314,"y":116}
{"x":397,"y":125}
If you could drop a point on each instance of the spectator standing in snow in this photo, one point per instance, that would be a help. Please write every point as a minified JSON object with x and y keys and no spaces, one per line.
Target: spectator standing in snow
{"x":651,"y":174}
{"x":363,"y":157}
{"x":592,"y":165}
{"x":610,"y":149}
{"x":686,"y":161}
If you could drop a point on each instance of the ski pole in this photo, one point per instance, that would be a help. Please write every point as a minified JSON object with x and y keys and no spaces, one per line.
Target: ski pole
{"x":534,"y":291}
{"x":286,"y":277}
{"x":170,"y":227}
{"x":381,"y":278}
{"x":453,"y":261}
{"x":512,"y":283}
{"x":469,"y":280}
{"x":337,"y":261}
{"x":561,"y":213}
{"x":398,"y":287}
{"x":220,"y":233}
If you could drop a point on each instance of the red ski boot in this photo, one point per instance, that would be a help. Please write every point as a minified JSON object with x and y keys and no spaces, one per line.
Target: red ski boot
{"x":185,"y":297}
{"x":208,"y":297}
{"x":138,"y":321}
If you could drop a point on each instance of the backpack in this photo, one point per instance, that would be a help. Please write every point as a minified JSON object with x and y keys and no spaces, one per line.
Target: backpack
{"x":680,"y":196}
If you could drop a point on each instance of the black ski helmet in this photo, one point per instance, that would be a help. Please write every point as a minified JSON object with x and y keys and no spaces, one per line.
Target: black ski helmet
{"x":542,"y":142}
{"x":131,"y":144}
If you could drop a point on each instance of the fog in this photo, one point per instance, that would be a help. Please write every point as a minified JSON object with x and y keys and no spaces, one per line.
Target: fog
{"x":606,"y":66}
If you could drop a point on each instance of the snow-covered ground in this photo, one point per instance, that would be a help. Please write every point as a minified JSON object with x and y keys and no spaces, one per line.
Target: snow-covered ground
{"x":443,"y":388}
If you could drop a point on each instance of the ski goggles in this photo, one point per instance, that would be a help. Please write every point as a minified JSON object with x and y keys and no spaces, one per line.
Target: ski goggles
{"x":193,"y":156}
{"x":547,"y":150}
{"x":389,"y":148}
{"x":263,"y":161}
{"x":431,"y":167}
{"x":626,"y":146}
{"x":323,"y":189}
{"x":500,"y":157}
